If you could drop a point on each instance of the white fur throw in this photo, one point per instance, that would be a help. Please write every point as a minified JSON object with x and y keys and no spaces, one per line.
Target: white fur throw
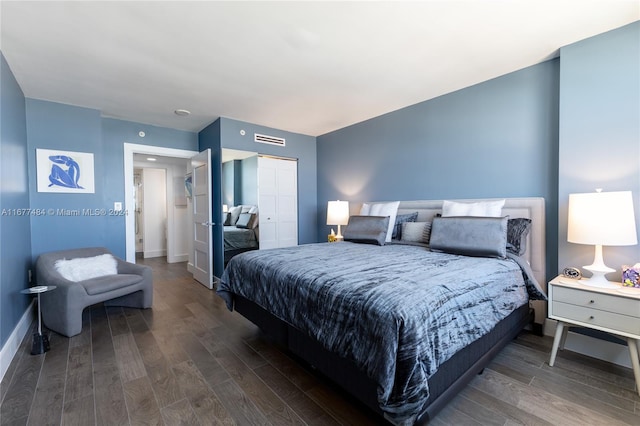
{"x":84,"y":268}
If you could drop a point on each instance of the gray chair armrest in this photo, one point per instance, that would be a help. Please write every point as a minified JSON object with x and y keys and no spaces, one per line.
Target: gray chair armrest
{"x":131,"y":268}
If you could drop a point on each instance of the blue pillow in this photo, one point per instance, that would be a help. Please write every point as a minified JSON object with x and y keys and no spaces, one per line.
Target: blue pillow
{"x":517,"y":231}
{"x":400,"y":219}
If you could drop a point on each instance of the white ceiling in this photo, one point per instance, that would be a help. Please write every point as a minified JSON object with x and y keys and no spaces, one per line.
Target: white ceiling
{"x":306,"y":67}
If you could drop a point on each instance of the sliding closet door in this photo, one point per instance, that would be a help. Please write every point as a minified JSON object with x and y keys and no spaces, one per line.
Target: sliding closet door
{"x":277,"y":202}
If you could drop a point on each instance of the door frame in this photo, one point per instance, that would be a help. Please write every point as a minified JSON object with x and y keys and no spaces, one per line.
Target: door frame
{"x":129,"y":206}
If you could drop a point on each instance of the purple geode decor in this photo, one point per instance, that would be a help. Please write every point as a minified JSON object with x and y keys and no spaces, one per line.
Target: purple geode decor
{"x":631,"y":275}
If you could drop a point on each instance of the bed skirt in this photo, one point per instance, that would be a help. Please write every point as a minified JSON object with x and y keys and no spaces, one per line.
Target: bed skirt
{"x":450,"y":378}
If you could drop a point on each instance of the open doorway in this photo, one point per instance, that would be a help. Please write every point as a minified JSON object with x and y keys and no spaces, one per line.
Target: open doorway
{"x":161,"y":209}
{"x":174,"y":192}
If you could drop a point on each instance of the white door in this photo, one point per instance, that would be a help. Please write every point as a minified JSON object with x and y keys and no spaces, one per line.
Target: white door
{"x":278,"y":202}
{"x":201,"y":202}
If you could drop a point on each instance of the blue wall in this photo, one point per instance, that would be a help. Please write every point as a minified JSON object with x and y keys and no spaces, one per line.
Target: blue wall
{"x":15,"y":231}
{"x":56,"y":126}
{"x":228,"y":177}
{"x":249,"y":181}
{"x":495,"y":139}
{"x":301,"y":147}
{"x":114,"y":134}
{"x":209,"y":138}
{"x":225,"y":133}
{"x":600,"y":132}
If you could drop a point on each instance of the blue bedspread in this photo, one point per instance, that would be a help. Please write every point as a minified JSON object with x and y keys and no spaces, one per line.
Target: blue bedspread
{"x":397,"y":311}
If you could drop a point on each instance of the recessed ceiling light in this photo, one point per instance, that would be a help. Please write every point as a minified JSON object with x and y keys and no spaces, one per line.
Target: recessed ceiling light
{"x":182,"y":112}
{"x":151,"y":159}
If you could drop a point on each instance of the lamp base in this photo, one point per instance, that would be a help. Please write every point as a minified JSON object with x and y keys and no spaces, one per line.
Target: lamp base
{"x":599,"y":278}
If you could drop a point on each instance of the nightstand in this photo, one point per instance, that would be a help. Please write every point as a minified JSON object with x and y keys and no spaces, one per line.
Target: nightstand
{"x":615,"y":311}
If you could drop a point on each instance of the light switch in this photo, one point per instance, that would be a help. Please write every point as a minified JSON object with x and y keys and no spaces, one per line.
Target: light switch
{"x":117,"y":206}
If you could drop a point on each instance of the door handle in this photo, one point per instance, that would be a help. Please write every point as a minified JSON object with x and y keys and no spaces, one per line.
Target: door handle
{"x":207,"y":223}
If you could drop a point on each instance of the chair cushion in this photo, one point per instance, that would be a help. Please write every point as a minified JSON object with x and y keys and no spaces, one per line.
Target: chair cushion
{"x":109,"y":283}
{"x":85,"y":268}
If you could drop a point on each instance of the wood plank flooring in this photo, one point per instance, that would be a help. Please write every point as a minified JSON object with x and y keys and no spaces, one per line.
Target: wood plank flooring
{"x":189,"y":361}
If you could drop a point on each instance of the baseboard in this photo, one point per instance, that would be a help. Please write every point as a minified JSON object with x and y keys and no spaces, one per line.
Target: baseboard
{"x":10,"y":348}
{"x":178,"y":258}
{"x":190,"y":267}
{"x":154,"y":253}
{"x":590,"y":346}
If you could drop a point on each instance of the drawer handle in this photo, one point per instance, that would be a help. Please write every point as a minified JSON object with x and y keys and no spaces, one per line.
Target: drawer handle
{"x":591,"y":317}
{"x":591,"y":301}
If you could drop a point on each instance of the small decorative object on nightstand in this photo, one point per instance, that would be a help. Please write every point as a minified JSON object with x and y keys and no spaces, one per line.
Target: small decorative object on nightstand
{"x":40,"y":341}
{"x":573,"y":273}
{"x":612,"y":310}
{"x":631,"y":275}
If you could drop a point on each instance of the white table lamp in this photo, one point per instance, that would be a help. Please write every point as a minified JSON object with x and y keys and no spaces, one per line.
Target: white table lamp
{"x":338,"y":214}
{"x":601,"y":219}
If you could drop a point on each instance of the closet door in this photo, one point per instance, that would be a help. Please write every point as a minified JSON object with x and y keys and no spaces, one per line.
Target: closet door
{"x":277,"y":202}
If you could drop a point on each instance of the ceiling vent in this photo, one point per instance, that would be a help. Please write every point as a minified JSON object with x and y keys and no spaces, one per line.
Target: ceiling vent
{"x":273,"y":140}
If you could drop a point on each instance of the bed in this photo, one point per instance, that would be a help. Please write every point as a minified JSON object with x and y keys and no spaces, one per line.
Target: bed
{"x":238,"y":240}
{"x":240,"y":231}
{"x":366,"y":316}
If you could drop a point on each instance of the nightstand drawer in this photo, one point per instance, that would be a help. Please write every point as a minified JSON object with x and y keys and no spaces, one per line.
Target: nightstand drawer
{"x":594,"y":300}
{"x":594,"y":317}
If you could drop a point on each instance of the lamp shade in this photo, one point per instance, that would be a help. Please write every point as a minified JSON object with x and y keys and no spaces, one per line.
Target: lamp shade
{"x":338,"y":213}
{"x":602,"y":218}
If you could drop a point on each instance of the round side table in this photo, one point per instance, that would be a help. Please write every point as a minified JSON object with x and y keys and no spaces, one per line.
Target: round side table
{"x":40,"y":341}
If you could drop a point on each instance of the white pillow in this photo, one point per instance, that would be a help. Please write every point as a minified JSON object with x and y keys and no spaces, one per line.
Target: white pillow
{"x":84,"y":268}
{"x":234,"y":214}
{"x":481,"y":208}
{"x":382,"y":209}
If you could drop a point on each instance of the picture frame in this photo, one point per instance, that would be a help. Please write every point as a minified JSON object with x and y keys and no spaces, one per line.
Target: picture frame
{"x":188,"y":185}
{"x":65,"y":171}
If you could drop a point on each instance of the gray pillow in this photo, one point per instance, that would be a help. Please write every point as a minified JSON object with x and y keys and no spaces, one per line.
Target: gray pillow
{"x":367,"y":229}
{"x":400,"y":219}
{"x":246,"y":220}
{"x":470,"y":236}
{"x":517,"y":231}
{"x":417,"y":232}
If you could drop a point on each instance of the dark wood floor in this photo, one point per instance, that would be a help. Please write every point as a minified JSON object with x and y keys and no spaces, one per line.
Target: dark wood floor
{"x":190,"y":361}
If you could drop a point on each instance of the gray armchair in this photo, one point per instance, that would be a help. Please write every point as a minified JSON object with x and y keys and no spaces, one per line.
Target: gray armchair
{"x":62,"y":308}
